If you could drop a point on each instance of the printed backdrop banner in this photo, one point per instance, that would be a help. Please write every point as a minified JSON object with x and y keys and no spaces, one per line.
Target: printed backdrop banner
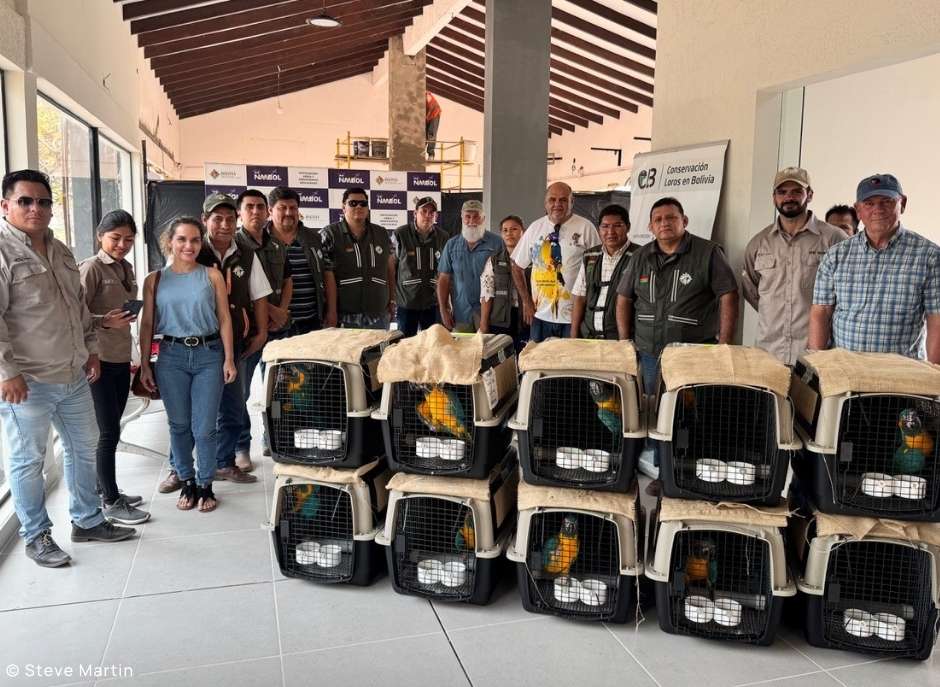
{"x":692,"y":175}
{"x":391,"y":194}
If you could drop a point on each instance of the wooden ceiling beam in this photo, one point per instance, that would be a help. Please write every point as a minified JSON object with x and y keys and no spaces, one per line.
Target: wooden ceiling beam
{"x":236,"y":71}
{"x":576,"y":111}
{"x":603,"y":34}
{"x":463,"y":39}
{"x":602,"y":95}
{"x":603,"y":53}
{"x":442,"y":43}
{"x":477,"y":69}
{"x":142,"y":8}
{"x":567,"y":116}
{"x":602,"y":69}
{"x":232,"y":102}
{"x":280,"y":29}
{"x":196,"y":59}
{"x":435,"y":66}
{"x":194,"y":97}
{"x":581,"y":100}
{"x":609,"y":86}
{"x":215,"y":10}
{"x":615,"y":17}
{"x":469,"y":27}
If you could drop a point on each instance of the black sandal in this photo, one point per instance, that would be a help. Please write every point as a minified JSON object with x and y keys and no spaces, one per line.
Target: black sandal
{"x":205,"y":493}
{"x":188,"y":495}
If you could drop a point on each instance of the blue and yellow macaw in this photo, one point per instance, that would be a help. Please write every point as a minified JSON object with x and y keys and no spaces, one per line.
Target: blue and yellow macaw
{"x":701,"y":565}
{"x":466,"y":539}
{"x":607,"y":399}
{"x":306,"y":500}
{"x":443,"y":413}
{"x":915,"y":444}
{"x":561,"y":551}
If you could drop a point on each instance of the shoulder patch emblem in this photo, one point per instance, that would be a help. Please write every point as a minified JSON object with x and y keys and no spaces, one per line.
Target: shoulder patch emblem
{"x":239,"y":272}
{"x":685,"y":279}
{"x":378,"y":249}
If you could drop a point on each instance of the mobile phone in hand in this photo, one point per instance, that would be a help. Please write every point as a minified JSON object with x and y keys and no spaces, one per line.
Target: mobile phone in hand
{"x":133,"y":307}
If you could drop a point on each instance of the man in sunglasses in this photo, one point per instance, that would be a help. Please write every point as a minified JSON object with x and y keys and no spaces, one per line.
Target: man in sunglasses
{"x":48,"y":356}
{"x":359,"y":267}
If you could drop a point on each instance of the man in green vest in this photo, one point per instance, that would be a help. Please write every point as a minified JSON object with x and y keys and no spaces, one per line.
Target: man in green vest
{"x":601,"y":267}
{"x":418,"y":250}
{"x":359,"y":267}
{"x":499,"y":300}
{"x":678,"y":288}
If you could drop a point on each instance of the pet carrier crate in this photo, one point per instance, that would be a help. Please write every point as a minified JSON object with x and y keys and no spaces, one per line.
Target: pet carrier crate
{"x":578,"y":553}
{"x":870,"y":422}
{"x":321,"y":390}
{"x":720,"y":571}
{"x":445,"y":402}
{"x":871,"y":585}
{"x":578,"y":419}
{"x":445,"y":536}
{"x":725,"y":424}
{"x":325,"y":521}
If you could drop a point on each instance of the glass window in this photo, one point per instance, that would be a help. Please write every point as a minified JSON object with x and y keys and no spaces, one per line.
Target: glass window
{"x":115,"y":177}
{"x":65,"y":155}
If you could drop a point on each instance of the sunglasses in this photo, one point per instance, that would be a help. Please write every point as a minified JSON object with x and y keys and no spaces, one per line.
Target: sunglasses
{"x":27,"y":202}
{"x":357,"y":203}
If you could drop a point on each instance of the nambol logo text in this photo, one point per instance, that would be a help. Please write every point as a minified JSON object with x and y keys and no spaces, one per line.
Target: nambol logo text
{"x":424,"y":182}
{"x":267,"y":176}
{"x":351,"y":179}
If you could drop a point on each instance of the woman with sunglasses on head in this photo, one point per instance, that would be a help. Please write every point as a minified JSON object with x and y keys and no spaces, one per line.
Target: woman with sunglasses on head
{"x":109,"y":284}
{"x":187,"y":303}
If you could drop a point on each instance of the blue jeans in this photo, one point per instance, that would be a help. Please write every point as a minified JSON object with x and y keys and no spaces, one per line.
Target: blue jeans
{"x":542,"y":330}
{"x":231,"y":419}
{"x":70,"y":409}
{"x":190,"y":381}
{"x":246,"y":370}
{"x":411,"y":320}
{"x":649,"y":371}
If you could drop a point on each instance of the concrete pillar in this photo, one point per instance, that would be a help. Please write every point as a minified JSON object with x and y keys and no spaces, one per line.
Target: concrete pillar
{"x":516,"y":108}
{"x":405,"y":107}
{"x":20,"y":104}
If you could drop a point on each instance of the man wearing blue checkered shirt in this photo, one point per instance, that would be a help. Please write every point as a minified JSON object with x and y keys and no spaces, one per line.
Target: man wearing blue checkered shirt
{"x":875,"y":290}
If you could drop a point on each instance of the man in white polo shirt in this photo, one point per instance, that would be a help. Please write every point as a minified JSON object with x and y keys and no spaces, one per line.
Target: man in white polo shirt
{"x":553,"y":246}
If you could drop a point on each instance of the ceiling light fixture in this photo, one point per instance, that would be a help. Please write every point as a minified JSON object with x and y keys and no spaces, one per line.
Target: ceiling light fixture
{"x":324,"y":20}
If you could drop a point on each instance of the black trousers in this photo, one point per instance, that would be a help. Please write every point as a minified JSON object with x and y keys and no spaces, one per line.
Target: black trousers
{"x":110,"y":395}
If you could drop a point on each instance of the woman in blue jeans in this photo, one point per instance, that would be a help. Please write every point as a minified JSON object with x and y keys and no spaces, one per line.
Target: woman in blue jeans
{"x":196,"y":355}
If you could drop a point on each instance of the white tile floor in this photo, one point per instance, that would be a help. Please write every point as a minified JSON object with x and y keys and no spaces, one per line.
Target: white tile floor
{"x":197,"y":599}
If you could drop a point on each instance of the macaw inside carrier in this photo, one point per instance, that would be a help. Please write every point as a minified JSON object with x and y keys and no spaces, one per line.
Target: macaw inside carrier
{"x":578,"y":553}
{"x":445,"y":401}
{"x":870,"y":422}
{"x":725,"y":422}
{"x":719,"y":573}
{"x":321,"y":390}
{"x":578,"y":419}
{"x":871,"y":585}
{"x":445,"y":536}
{"x":325,"y":521}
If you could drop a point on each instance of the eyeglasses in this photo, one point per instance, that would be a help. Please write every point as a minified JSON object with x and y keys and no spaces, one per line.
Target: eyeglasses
{"x":27,"y":202}
{"x":357,"y":203}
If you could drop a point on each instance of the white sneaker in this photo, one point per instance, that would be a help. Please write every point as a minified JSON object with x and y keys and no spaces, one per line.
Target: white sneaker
{"x":243,"y":461}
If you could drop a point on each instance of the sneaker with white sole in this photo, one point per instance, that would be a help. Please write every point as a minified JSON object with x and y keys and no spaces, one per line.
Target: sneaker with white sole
{"x":123,"y":513}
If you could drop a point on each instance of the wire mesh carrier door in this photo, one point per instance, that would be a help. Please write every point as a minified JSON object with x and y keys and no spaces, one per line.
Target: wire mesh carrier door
{"x":877,"y":597}
{"x":719,"y":587}
{"x":724,"y":445}
{"x":315,"y":537}
{"x":886,"y":460}
{"x":573,"y":566}
{"x":434,"y":548}
{"x":574,"y":435}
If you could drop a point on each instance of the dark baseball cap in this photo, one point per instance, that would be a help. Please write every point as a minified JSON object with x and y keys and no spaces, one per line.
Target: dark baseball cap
{"x":425,"y":200}
{"x":878,"y":185}
{"x":216,"y":200}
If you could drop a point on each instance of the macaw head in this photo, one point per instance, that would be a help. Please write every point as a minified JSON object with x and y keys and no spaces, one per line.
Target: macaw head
{"x":599,"y":391}
{"x":909,"y":422}
{"x":569,"y":526}
{"x":704,"y":548}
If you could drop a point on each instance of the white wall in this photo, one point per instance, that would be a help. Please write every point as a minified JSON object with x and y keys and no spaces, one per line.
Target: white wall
{"x":848,"y":135}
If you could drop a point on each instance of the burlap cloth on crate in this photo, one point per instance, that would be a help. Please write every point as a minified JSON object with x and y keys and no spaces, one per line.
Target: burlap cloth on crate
{"x":324,"y":474}
{"x":739,"y":513}
{"x":433,"y":357}
{"x":927,"y":532}
{"x":336,"y":345}
{"x":594,"y":355}
{"x":441,"y":486}
{"x":841,"y":371}
{"x":723,"y":364}
{"x":531,"y":496}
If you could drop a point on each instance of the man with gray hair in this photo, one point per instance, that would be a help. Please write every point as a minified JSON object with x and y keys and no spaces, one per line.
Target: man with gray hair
{"x":553,"y":246}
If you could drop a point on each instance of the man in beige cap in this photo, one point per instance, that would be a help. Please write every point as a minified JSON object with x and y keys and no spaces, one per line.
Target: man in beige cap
{"x":780,"y":266}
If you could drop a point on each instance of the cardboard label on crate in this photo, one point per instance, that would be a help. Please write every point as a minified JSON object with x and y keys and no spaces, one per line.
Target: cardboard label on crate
{"x":504,"y":500}
{"x":491,"y":386}
{"x":507,"y":377}
{"x":381,"y":494}
{"x":804,"y":398}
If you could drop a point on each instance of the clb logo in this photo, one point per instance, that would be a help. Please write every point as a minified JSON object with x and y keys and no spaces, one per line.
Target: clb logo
{"x":647,"y":178}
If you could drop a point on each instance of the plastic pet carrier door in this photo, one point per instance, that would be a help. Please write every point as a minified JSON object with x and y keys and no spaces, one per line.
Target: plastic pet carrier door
{"x":319,"y":404}
{"x":574,"y":562}
{"x":325,"y":521}
{"x":869,"y":453}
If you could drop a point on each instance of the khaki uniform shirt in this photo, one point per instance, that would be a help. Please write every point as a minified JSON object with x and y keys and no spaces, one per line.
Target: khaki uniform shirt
{"x":46,"y":331}
{"x":107,"y":286}
{"x":777,"y":280}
